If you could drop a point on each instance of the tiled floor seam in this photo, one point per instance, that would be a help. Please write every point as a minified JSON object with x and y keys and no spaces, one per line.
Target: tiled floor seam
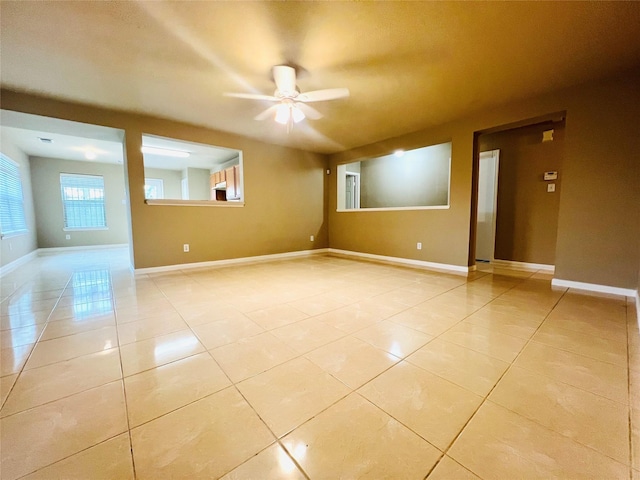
{"x":352,"y":390}
{"x":124,"y":387}
{"x":276,"y":438}
{"x":233,"y":385}
{"x":485,"y":398}
{"x":71,"y":455}
{"x":46,"y":322}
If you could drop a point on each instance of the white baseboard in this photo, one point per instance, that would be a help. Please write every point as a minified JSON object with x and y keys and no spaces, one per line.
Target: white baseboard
{"x":231,"y":261}
{"x":593,"y":287}
{"x":48,"y":250}
{"x":10,"y":267}
{"x":404,"y":261}
{"x":527,"y":267}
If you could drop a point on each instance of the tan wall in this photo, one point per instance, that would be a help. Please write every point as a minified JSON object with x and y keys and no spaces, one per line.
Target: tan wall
{"x":444,"y":233}
{"x":284,"y":192}
{"x":199,"y":183}
{"x":527,"y":215}
{"x":14,"y":247}
{"x":45,"y":175}
{"x":598,"y":225}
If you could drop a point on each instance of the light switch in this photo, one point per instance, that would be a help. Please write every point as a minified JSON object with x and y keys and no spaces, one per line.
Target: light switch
{"x":551,"y":187}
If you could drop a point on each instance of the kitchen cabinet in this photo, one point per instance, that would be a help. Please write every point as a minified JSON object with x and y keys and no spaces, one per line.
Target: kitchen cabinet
{"x":231,"y":188}
{"x":233,"y":182}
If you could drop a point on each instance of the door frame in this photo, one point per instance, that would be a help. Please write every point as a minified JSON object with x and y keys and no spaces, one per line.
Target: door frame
{"x":356,"y":189}
{"x":495,"y":154}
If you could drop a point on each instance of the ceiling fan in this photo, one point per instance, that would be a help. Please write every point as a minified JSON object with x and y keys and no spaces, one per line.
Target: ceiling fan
{"x":291,"y":106}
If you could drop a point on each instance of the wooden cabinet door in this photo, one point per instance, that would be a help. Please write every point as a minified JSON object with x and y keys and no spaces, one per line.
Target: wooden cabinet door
{"x":231,"y":183}
{"x":238,"y":188}
{"x":212,"y":184}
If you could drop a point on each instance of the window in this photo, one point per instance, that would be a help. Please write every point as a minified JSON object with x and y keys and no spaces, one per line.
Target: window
{"x":153,"y":188}
{"x":12,"y":219}
{"x":191,"y":173}
{"x":83,"y":201}
{"x":409,"y":180}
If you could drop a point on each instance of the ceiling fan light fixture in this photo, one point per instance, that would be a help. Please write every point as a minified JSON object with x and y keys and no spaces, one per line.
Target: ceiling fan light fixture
{"x":287,"y":113}
{"x":282,"y":114}
{"x":290,"y":104}
{"x":298,"y":115}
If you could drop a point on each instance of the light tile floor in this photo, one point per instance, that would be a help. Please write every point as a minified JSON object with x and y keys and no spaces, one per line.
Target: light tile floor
{"x":321,"y":367}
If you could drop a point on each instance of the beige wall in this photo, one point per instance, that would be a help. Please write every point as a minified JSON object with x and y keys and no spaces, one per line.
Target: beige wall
{"x":199,"y":183}
{"x":598,"y":225}
{"x":284,"y":192}
{"x":395,"y":233}
{"x":45,"y":174}
{"x":599,"y":222}
{"x":527,"y":215}
{"x":14,"y":247}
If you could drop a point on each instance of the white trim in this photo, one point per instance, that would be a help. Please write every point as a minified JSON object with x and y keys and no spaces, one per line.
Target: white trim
{"x":49,"y":250}
{"x":593,"y":287}
{"x":194,"y":203}
{"x":391,"y":209}
{"x":533,"y":267}
{"x":231,"y":261}
{"x":83,"y":229}
{"x":11,"y":266}
{"x":404,"y":261}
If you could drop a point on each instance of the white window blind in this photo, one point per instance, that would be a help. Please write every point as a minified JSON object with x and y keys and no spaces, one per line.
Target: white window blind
{"x":12,"y":219}
{"x":83,"y":201}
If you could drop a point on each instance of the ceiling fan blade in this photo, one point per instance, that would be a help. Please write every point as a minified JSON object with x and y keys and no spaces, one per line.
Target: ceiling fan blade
{"x":252,"y":96}
{"x":267,"y":113}
{"x":308,"y":111}
{"x":285,"y":78}
{"x":322,"y":95}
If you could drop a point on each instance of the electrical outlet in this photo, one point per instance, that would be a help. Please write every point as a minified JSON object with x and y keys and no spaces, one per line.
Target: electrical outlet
{"x":419,"y":245}
{"x":185,"y":247}
{"x":311,"y":238}
{"x":67,"y":237}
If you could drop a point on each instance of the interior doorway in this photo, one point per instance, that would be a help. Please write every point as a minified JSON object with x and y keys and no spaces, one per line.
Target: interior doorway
{"x":517,"y":188}
{"x":487,"y":205}
{"x":352,"y":190}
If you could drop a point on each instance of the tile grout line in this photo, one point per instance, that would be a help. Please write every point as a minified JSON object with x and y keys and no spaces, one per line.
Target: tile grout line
{"x":446,"y":450}
{"x":234,"y":386}
{"x":66,"y":396}
{"x":46,"y":322}
{"x":124,"y":388}
{"x":352,"y":390}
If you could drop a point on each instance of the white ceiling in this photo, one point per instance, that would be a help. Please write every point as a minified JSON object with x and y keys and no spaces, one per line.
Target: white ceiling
{"x":72,"y":141}
{"x":408,"y":65}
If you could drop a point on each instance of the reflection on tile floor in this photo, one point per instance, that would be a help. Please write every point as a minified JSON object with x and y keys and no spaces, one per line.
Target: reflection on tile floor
{"x":318,"y":367}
